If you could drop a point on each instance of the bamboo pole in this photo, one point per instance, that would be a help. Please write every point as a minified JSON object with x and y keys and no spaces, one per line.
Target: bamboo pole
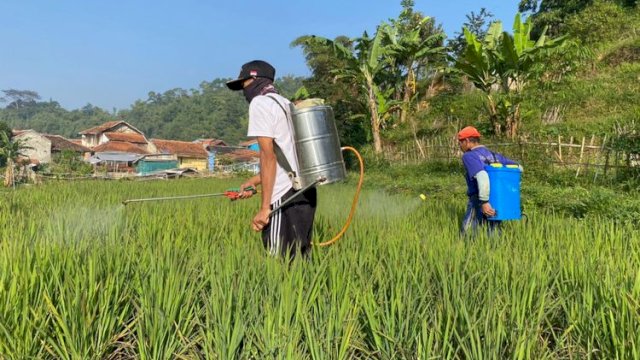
{"x":589,"y":154}
{"x":599,"y":157}
{"x":570,"y":151}
{"x":560,"y":148}
{"x":580,"y":159}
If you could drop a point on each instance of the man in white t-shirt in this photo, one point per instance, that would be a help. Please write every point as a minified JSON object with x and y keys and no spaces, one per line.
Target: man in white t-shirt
{"x":289,"y":229}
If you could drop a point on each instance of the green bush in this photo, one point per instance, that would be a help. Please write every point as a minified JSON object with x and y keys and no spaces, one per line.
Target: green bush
{"x":603,"y":21}
{"x":627,"y":51}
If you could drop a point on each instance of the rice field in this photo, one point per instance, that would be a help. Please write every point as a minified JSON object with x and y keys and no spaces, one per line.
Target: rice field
{"x":84,"y":277}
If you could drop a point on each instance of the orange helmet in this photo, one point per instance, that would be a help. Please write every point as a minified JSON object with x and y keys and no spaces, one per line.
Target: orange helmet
{"x":468,"y":132}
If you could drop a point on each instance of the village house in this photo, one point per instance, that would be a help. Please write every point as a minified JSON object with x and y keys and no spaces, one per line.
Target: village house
{"x":120,"y":147}
{"x":46,"y":148}
{"x":150,"y":164}
{"x":189,"y":154}
{"x":210,"y":142}
{"x":233,"y":158}
{"x":251,"y":144}
{"x":116,"y":146}
{"x":61,"y":144}
{"x":38,"y":147}
{"x":117,"y":136}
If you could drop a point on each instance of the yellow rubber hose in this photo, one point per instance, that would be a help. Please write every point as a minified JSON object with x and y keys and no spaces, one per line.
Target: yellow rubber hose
{"x":354,"y":204}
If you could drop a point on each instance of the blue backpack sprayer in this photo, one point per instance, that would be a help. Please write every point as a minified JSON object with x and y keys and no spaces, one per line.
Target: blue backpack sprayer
{"x":504,"y":191}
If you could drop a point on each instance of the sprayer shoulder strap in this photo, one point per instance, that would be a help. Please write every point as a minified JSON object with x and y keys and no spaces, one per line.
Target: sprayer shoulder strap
{"x":487,"y":161}
{"x":280,"y":157}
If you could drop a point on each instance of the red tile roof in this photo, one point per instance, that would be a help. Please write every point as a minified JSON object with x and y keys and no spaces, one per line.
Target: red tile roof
{"x":126,"y":137}
{"x":106,"y":126}
{"x":248,"y":142}
{"x":59,"y":143}
{"x":180,"y":148}
{"x":100,"y":128}
{"x":18,"y":132}
{"x":243,"y":155}
{"x":211,"y":142}
{"x":120,"y":146}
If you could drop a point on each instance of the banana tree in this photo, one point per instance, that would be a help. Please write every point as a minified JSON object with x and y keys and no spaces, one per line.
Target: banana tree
{"x":417,"y":48}
{"x":11,"y":150}
{"x":364,"y":64}
{"x":502,"y":65}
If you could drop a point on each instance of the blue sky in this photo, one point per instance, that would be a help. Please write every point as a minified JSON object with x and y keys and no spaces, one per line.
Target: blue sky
{"x":111,"y":53}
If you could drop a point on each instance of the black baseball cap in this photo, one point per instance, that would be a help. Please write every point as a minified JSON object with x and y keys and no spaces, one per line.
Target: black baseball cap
{"x":255,"y":68}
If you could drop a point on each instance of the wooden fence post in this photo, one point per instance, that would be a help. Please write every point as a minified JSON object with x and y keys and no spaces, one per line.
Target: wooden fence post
{"x":560,"y":148}
{"x":580,"y":159}
{"x":590,"y":153}
{"x":599,"y":157}
{"x":570,"y":151}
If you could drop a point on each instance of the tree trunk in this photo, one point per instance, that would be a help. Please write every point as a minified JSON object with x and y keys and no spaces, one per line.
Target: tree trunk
{"x":414,"y":127}
{"x":513,"y":123}
{"x":493,"y":116}
{"x":377,"y":142}
{"x":8,"y":175}
{"x":375,"y":117}
{"x":409,"y":90}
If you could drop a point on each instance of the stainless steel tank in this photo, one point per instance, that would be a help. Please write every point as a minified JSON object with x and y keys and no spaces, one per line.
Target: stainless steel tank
{"x":317,"y":145}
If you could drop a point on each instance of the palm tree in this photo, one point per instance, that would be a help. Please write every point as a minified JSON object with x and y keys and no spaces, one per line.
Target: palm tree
{"x":11,"y":150}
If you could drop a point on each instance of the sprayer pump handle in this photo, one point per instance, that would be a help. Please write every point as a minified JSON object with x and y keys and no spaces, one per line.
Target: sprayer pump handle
{"x":234,"y":193}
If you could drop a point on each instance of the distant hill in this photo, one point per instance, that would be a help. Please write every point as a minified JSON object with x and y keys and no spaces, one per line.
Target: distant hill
{"x":211,"y":111}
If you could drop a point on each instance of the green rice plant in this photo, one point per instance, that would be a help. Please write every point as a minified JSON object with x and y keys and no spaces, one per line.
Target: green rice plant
{"x":276,"y":330}
{"x":224,"y":325}
{"x":88,"y":304}
{"x":166,"y":285}
{"x":331,"y":319}
{"x":82,"y":276}
{"x":24,"y":317}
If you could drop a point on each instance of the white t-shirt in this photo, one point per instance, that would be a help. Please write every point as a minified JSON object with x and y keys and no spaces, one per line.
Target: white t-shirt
{"x":266,"y":119}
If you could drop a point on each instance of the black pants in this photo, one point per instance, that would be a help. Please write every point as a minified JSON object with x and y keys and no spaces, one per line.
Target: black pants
{"x":289,"y":229}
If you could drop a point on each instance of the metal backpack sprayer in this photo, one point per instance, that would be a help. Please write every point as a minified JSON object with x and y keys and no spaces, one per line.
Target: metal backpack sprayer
{"x":318,"y":152}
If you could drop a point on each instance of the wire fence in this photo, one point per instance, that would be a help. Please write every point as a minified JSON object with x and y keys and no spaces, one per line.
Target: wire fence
{"x":587,"y":156}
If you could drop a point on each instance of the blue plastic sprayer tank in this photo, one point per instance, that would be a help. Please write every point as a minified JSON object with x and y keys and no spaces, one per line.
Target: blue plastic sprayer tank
{"x":505,"y":191}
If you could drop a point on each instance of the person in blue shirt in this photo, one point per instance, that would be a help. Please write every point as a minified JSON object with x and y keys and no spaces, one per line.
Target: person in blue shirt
{"x":475,"y":157}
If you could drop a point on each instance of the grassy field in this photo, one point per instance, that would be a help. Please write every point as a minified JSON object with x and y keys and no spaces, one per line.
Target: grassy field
{"x":83,"y":277}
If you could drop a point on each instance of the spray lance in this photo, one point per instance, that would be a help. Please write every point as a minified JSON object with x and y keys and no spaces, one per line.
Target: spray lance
{"x":231,"y":194}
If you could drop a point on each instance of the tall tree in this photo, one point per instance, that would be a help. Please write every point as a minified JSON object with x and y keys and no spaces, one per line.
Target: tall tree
{"x":385,"y":68}
{"x":418,"y":53}
{"x":418,"y":48}
{"x":477,"y":24}
{"x":363,"y":64}
{"x":337,"y":91}
{"x":19,"y":98}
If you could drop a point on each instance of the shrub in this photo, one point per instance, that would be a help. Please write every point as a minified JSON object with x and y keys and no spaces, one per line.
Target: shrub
{"x":603,"y":22}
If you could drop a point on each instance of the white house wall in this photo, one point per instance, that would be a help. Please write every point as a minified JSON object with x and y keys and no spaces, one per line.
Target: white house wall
{"x":40,"y":146}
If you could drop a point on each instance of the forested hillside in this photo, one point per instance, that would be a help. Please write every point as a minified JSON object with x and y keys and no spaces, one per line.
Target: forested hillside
{"x":211,"y":111}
